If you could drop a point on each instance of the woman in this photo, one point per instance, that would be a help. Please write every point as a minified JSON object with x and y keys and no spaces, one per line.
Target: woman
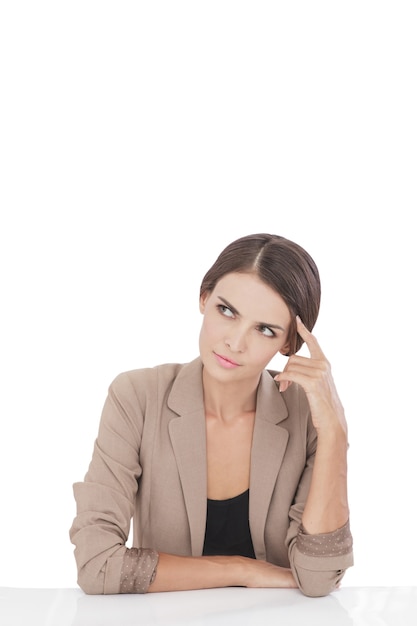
{"x":234,"y":475}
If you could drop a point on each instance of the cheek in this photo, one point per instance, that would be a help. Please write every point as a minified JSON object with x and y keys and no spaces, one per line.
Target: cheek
{"x":209,"y":328}
{"x":264,"y":352}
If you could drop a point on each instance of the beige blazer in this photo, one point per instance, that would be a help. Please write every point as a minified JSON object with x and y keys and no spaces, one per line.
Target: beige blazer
{"x":149,"y":463}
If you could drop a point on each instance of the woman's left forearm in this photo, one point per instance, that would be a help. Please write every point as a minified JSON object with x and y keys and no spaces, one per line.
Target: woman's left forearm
{"x":327,"y":507}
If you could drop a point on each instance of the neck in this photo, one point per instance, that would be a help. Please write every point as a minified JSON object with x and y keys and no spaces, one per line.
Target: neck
{"x":226,"y":400}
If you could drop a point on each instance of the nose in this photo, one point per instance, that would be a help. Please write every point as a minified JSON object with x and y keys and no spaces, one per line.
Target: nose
{"x":236,"y":341}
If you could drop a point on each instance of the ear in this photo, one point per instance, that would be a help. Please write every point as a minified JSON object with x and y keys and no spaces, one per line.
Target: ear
{"x":285,"y":349}
{"x":203,"y":300}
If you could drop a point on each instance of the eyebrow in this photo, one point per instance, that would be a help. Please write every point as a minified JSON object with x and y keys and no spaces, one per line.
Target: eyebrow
{"x":232,"y":308}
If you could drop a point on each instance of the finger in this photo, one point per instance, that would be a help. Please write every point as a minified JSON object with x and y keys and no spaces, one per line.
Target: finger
{"x":295,"y":366}
{"x":312,"y":344}
{"x":309,"y":369}
{"x":283,"y":384}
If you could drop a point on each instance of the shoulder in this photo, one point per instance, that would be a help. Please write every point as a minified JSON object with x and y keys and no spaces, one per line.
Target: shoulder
{"x":132,"y":380}
{"x":165,"y":370}
{"x":137,"y":384}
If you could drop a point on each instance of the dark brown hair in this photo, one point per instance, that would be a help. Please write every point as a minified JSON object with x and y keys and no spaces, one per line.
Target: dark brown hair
{"x":281,"y":264}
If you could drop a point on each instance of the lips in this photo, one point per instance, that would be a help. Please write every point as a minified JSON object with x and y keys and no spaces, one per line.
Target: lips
{"x":225,"y":361}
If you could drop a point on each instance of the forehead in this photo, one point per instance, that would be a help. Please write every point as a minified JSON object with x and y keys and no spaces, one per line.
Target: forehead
{"x":253,"y":298}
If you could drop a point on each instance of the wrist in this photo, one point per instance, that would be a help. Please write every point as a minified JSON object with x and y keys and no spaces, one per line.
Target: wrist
{"x":240,"y":567}
{"x":335,"y":436}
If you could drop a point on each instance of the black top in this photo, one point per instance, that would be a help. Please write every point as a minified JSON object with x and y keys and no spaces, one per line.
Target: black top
{"x":227,"y":527}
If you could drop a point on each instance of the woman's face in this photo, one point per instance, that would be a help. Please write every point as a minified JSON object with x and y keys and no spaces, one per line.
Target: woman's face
{"x":245,"y":324}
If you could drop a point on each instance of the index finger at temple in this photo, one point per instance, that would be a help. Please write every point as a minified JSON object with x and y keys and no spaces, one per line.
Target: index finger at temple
{"x":311,"y":341}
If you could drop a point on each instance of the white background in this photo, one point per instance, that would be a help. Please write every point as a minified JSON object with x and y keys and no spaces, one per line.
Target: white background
{"x":137,"y":140}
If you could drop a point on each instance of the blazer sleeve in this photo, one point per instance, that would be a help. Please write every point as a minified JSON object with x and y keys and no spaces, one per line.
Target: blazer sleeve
{"x":105,"y":499}
{"x":318,"y":562}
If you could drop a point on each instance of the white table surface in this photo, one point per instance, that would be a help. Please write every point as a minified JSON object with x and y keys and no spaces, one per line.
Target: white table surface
{"x":353,"y":606}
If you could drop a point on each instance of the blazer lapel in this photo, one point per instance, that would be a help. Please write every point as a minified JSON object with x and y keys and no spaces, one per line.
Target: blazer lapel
{"x":268,"y":449}
{"x":188,"y":438}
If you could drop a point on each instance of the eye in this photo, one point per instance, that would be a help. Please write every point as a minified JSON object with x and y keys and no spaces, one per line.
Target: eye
{"x":266,"y":331}
{"x":224,"y":310}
